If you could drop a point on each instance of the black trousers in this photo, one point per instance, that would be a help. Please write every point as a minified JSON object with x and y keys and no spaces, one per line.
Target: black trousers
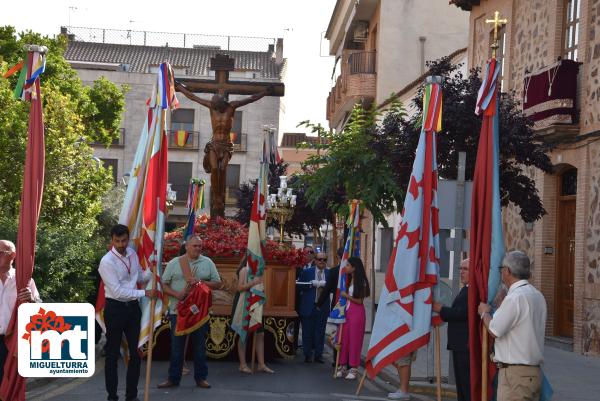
{"x":3,"y":355}
{"x":462,"y":375}
{"x":122,"y":319}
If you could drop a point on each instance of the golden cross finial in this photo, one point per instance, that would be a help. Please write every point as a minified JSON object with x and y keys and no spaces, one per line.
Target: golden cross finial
{"x":497,"y":22}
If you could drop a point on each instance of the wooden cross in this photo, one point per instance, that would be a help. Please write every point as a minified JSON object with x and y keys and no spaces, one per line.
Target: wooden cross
{"x":497,"y":22}
{"x":221,"y":64}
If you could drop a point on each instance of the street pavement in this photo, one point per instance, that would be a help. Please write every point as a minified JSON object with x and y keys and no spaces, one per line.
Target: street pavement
{"x":293,"y":380}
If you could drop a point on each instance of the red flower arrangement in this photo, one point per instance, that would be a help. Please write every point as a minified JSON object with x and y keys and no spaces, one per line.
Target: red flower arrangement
{"x":229,"y":238}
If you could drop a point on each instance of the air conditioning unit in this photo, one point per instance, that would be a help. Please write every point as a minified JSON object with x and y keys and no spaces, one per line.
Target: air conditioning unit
{"x":361,"y":32}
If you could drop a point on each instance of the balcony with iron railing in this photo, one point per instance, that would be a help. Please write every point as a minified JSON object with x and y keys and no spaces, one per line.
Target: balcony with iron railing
{"x":241,"y":144}
{"x":356,"y":83}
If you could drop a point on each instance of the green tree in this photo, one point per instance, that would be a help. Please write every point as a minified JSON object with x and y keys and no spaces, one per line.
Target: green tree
{"x":75,"y":182}
{"x":397,"y":137}
{"x":349,"y":168}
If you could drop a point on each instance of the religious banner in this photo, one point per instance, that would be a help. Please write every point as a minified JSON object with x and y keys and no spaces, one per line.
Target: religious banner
{"x":404,"y":314}
{"x":487,"y":243}
{"x":351,"y":248}
{"x":144,"y":206}
{"x":195,"y":202}
{"x":13,"y":385}
{"x":549,"y":94}
{"x":248,"y":314}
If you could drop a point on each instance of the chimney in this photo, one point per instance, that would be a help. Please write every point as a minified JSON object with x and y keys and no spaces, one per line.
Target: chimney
{"x":279,"y":51}
{"x":271,"y":49}
{"x":64,"y":31}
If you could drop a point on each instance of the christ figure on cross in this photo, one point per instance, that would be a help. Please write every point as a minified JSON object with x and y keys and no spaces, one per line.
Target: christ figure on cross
{"x":219,"y":149}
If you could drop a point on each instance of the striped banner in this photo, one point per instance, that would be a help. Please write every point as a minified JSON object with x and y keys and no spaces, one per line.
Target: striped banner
{"x":351,"y":248}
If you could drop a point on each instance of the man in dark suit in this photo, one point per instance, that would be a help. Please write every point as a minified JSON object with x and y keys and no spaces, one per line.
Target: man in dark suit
{"x":328,"y":293}
{"x":311,"y":283}
{"x":458,"y":333}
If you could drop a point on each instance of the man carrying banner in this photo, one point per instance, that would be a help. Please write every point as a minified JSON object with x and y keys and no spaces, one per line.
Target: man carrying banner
{"x":180,"y":277}
{"x":519,"y":329}
{"x":121,"y":273}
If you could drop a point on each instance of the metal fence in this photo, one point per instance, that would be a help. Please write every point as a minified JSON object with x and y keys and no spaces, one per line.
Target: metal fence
{"x":148,"y":38}
{"x":362,"y":62}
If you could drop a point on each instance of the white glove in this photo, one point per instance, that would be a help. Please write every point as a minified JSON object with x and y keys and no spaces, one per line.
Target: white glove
{"x":314,"y":283}
{"x":322,"y":283}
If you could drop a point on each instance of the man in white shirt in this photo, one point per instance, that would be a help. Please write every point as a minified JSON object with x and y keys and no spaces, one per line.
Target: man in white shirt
{"x":121,"y":273}
{"x":9,"y":294}
{"x":519,"y":328}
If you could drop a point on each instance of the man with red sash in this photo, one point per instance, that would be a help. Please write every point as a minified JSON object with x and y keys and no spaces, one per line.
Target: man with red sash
{"x":187,"y":280}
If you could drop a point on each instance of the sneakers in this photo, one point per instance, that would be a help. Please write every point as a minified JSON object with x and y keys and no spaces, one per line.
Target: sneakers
{"x":341,"y":372}
{"x":352,"y":374}
{"x":399,"y":395}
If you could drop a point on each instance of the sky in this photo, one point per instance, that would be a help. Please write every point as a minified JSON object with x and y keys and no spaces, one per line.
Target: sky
{"x":301,"y":24}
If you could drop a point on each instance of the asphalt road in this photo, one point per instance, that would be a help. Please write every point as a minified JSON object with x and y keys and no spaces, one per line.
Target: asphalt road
{"x":293,"y":380}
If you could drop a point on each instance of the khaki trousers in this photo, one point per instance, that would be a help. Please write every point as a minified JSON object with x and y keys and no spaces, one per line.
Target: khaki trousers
{"x":519,"y":383}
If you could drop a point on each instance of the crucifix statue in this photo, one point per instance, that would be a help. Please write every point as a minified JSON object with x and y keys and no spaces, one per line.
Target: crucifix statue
{"x":219,"y":149}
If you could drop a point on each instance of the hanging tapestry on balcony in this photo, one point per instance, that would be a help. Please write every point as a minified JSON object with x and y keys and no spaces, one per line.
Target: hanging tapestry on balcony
{"x":181,"y":138}
{"x":549,"y":94}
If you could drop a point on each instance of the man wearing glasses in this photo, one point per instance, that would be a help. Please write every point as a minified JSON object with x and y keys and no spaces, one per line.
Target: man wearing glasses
{"x":314,"y":319}
{"x":9,"y":294}
{"x":519,"y":328}
{"x":458,"y":333}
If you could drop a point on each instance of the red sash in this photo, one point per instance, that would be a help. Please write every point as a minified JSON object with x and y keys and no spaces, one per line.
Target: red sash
{"x":193,"y":310}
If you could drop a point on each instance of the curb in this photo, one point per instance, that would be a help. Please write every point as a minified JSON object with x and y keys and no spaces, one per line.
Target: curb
{"x":415,"y":386}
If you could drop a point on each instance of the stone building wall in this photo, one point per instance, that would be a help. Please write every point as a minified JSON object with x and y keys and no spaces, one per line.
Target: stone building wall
{"x":534,"y":38}
{"x":591,"y":304}
{"x":590,"y":93}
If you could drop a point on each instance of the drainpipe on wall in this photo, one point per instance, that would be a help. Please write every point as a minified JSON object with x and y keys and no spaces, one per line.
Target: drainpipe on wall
{"x":422,"y":40}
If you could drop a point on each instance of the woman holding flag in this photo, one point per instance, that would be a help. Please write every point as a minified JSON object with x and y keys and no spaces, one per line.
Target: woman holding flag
{"x":354,"y":328}
{"x":244,"y":285}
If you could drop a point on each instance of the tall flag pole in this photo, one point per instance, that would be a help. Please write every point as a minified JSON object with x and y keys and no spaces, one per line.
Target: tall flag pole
{"x":195,"y":202}
{"x":404,"y":315}
{"x":351,"y":248}
{"x":12,"y":387}
{"x":486,"y":248}
{"x":249,"y":310}
{"x":144,"y":207}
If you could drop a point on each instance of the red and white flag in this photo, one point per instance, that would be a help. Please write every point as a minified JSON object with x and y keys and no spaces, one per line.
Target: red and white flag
{"x":404,"y":316}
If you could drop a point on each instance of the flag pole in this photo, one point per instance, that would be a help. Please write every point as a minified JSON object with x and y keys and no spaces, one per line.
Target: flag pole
{"x":338,"y":347}
{"x":484,"y":365}
{"x":362,"y":381}
{"x":151,"y":335}
{"x":253,"y":350}
{"x":438,"y":363}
